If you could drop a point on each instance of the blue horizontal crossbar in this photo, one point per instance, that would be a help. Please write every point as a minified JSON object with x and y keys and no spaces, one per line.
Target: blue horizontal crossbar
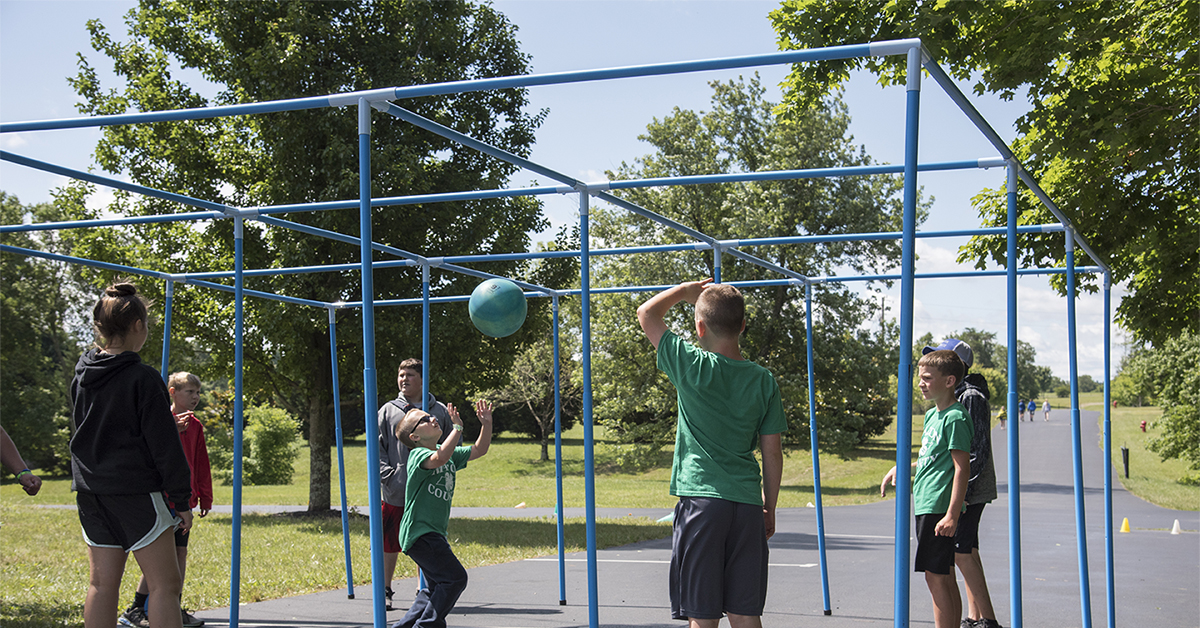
{"x":458,"y":87}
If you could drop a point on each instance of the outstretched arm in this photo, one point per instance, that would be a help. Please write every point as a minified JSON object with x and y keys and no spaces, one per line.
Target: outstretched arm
{"x":12,"y":459}
{"x":653,"y":311}
{"x":483,"y":410}
{"x":444,"y":451}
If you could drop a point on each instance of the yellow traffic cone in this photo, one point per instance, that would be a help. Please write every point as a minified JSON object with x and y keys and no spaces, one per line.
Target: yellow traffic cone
{"x":1175,"y":529}
{"x":1125,"y":525}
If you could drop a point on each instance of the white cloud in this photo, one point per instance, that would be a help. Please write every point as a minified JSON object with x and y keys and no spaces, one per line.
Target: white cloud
{"x":12,"y":141}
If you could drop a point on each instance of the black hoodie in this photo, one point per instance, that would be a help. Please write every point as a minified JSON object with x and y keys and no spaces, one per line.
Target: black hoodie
{"x":973,"y":393}
{"x":125,"y":439}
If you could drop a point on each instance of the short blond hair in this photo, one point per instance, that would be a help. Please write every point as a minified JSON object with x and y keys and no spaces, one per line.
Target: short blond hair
{"x":723,"y":309}
{"x":178,"y":380}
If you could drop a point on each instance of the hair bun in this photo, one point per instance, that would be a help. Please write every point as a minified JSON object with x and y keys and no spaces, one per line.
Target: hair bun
{"x":121,"y":290}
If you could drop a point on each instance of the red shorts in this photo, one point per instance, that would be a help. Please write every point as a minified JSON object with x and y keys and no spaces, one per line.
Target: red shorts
{"x":391,"y":527}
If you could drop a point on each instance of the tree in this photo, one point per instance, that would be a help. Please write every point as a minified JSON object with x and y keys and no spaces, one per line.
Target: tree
{"x":258,"y":51}
{"x":854,"y":400}
{"x":1178,"y":366}
{"x":1110,"y":136}
{"x":39,"y":340}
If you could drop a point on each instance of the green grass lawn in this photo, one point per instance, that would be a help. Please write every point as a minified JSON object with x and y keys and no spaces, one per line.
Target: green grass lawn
{"x":1150,"y":478}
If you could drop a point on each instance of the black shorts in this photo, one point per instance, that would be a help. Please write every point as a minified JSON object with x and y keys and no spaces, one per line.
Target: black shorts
{"x":129,"y":522}
{"x":718,"y":559}
{"x":935,"y":554}
{"x":181,"y":537}
{"x":966,"y":536}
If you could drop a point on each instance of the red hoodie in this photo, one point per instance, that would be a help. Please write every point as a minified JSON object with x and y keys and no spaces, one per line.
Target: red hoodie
{"x":196,"y":451}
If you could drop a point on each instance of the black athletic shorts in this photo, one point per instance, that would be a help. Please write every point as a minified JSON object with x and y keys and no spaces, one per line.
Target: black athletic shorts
{"x":718,"y":559}
{"x":129,"y":522}
{"x":966,"y":537}
{"x":935,"y":554}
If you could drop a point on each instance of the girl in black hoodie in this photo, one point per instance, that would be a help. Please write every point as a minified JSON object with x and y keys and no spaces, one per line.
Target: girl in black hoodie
{"x":127,"y":464}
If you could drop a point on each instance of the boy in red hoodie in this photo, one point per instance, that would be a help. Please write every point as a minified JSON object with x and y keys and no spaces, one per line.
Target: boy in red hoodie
{"x":185,"y":396}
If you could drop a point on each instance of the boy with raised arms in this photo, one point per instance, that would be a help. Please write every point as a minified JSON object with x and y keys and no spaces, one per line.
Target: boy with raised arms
{"x":427,"y":496}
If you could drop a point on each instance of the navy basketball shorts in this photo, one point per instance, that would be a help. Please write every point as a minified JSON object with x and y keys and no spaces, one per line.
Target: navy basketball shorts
{"x":129,"y":522}
{"x":935,"y":554}
{"x":718,"y":559}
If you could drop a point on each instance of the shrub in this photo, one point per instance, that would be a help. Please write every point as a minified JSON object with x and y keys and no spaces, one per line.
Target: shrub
{"x":270,"y":444}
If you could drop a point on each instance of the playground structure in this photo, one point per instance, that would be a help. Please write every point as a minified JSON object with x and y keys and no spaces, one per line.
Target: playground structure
{"x":379,"y":100}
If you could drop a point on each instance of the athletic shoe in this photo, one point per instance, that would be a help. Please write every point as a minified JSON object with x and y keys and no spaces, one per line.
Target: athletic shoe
{"x":134,"y":616}
{"x":388,"y":592}
{"x":190,"y":620}
{"x":987,"y":623}
{"x":967,"y":622}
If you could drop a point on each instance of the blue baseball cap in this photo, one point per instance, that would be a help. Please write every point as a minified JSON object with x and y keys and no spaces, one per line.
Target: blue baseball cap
{"x":954,"y":344}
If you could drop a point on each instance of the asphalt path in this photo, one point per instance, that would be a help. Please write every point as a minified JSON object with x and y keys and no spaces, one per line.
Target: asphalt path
{"x":1157,"y":574}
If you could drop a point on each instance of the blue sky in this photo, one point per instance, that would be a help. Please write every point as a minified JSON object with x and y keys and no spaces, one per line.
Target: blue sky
{"x":593,"y":127}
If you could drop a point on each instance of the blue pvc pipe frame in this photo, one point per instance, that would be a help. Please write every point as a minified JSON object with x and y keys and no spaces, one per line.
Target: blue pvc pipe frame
{"x":368,"y":99}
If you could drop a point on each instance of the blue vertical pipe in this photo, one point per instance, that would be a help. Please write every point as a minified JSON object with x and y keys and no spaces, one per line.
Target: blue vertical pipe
{"x":904,"y":372}
{"x":1014,"y":447}
{"x":425,"y":342}
{"x":717,"y":264}
{"x":1109,"y":580}
{"x":337,"y":435}
{"x":425,"y":338}
{"x":558,"y":473}
{"x":816,"y":454}
{"x":1085,"y":598}
{"x":166,"y":349}
{"x":235,"y":545}
{"x":589,"y":460}
{"x":374,"y":498}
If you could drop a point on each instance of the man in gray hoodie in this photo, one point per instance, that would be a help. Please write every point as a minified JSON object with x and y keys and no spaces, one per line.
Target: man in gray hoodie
{"x":393,"y":458}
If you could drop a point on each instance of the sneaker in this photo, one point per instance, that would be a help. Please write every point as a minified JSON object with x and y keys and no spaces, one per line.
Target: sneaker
{"x":987,"y":623}
{"x":388,"y":592}
{"x":967,"y":622}
{"x":134,"y":616}
{"x":190,"y":620}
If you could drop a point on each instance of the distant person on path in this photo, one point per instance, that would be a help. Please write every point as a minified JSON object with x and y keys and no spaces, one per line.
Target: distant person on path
{"x":1032,"y":408}
{"x":1046,"y":409}
{"x":728,"y":407}
{"x":427,"y":497}
{"x":1021,"y":409}
{"x":11,"y":458}
{"x":940,"y":483}
{"x":973,"y":394}
{"x":128,"y":467}
{"x":1001,"y":415}
{"x":393,"y":458}
{"x":184,"y":389}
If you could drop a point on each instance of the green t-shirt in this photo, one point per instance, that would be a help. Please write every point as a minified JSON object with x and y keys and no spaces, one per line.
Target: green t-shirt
{"x":428,"y":493}
{"x":724,"y":406}
{"x":934,"y":480}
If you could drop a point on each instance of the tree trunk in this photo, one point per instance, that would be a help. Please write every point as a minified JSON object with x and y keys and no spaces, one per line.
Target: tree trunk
{"x":320,"y":439}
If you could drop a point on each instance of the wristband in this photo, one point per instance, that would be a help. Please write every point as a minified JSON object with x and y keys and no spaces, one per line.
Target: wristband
{"x":23,"y":472}
{"x":457,"y":427}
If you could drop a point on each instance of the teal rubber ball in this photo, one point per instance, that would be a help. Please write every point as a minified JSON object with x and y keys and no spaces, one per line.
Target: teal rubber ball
{"x":497,"y":307}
